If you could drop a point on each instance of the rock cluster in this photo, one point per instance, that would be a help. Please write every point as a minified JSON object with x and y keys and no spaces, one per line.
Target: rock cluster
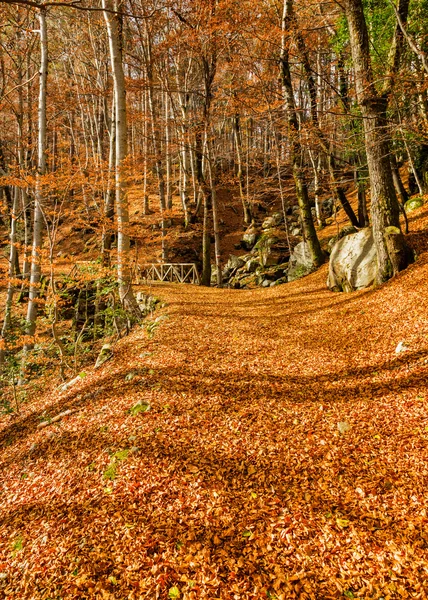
{"x":268,"y":262}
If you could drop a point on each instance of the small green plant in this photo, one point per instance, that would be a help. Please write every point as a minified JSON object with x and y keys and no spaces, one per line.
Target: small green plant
{"x":140,"y":407}
{"x":121,"y":454}
{"x":151,"y":326}
{"x":111,"y":472}
{"x":17,"y":545}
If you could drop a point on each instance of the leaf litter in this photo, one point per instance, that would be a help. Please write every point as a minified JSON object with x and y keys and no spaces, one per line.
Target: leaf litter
{"x":284,"y":454}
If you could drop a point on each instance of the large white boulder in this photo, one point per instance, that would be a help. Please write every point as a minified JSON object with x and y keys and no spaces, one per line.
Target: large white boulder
{"x":353,"y":262}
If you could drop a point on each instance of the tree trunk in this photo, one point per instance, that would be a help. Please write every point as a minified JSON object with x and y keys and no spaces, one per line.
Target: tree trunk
{"x":35,"y":272}
{"x":126,"y":293}
{"x":240,"y":174}
{"x":309,"y":232}
{"x":363,"y":217}
{"x":107,"y":236}
{"x":13,"y":255}
{"x":392,"y":253}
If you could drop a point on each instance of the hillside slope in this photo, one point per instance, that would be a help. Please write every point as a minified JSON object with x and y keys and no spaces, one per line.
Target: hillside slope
{"x":237,"y":483}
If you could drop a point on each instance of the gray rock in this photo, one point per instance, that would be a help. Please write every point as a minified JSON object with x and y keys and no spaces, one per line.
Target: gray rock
{"x":300,"y":262}
{"x":347,"y":230}
{"x":296,"y":232}
{"x":279,"y":281}
{"x":105,"y":354}
{"x":327,"y":208}
{"x":146,"y":303}
{"x":272,"y":221}
{"x":401,"y":347}
{"x":353,"y":262}
{"x":343,"y":427}
{"x":234,"y":263}
{"x":250,"y":237}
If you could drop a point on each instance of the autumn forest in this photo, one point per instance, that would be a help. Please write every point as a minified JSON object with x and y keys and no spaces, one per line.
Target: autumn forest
{"x":213,"y":299}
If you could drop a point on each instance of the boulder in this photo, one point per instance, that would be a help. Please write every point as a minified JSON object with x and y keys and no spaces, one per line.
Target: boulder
{"x":250,"y":237}
{"x":347,"y":230}
{"x":146,"y":303}
{"x":327,"y":208}
{"x":272,"y":221}
{"x":234,"y":262}
{"x":252,"y":265}
{"x":279,"y":281}
{"x":300,"y":262}
{"x":105,"y":354}
{"x":353,"y":262}
{"x":273,"y":273}
{"x":413,"y":204}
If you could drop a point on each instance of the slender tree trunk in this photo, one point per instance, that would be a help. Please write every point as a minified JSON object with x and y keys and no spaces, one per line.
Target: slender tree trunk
{"x":36,"y":258}
{"x":13,"y":255}
{"x":206,"y":243}
{"x":126,"y":293}
{"x":168,"y":155}
{"x":240,"y":174}
{"x":211,"y":176}
{"x":107,"y":236}
{"x":146,"y":203}
{"x":363,"y":217}
{"x":309,"y":232}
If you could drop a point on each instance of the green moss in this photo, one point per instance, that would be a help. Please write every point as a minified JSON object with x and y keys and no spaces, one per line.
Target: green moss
{"x":392,"y":230}
{"x":413,"y":204}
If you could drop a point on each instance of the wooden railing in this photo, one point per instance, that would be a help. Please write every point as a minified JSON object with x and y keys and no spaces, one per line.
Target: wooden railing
{"x":171,"y":272}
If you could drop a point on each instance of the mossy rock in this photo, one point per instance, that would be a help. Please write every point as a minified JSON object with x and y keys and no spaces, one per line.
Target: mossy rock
{"x":413,"y":204}
{"x":267,"y":239}
{"x":298,"y":272}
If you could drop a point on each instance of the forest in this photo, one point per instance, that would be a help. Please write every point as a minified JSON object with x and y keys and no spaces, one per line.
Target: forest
{"x":213,"y":299}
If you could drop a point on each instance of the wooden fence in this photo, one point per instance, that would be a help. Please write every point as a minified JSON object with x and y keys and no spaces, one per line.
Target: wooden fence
{"x":171,"y":272}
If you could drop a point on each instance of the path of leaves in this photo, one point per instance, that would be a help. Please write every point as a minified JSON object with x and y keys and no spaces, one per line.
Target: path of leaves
{"x":237,"y":484}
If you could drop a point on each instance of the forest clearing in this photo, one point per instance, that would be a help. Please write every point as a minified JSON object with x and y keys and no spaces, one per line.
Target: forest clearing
{"x":213,"y":299}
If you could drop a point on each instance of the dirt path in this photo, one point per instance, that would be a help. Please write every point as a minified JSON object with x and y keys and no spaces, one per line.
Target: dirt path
{"x":237,"y":483}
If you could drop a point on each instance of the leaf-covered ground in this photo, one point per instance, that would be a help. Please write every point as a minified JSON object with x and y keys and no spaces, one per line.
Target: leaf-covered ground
{"x":237,"y":483}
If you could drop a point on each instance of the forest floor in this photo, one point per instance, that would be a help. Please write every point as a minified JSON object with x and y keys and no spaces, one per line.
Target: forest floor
{"x":284,"y":453}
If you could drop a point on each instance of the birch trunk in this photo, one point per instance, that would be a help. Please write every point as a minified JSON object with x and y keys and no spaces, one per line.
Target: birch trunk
{"x":35,"y":271}
{"x":13,"y":255}
{"x":126,"y":293}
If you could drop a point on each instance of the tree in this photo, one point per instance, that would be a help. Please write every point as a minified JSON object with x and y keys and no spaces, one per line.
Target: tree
{"x":392,"y":251}
{"x":310,"y":233}
{"x":122,"y":212}
{"x":38,"y":226}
